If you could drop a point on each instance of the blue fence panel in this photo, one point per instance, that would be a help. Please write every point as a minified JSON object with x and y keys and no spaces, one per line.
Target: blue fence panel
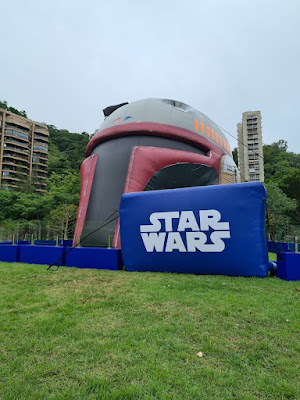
{"x":45,"y":242}
{"x":274,"y":247}
{"x":94,"y":257}
{"x":41,"y":254}
{"x":17,"y":242}
{"x":288,"y":267}
{"x":203,"y":230}
{"x":9,"y":253}
{"x":67,"y":242}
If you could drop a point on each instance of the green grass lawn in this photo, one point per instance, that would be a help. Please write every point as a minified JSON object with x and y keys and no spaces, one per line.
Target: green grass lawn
{"x":272,"y":256}
{"x":90,"y":334}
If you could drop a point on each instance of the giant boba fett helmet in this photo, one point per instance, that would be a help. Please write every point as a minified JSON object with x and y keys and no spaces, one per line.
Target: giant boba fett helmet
{"x":151,"y":144}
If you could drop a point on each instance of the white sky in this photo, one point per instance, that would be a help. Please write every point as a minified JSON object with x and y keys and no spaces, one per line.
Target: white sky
{"x":63,"y":61}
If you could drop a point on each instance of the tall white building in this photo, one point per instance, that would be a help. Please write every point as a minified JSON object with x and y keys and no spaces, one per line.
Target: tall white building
{"x":250,"y":148}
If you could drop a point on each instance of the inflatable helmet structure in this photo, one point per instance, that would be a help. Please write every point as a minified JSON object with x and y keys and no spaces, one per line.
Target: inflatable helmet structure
{"x":147,"y":145}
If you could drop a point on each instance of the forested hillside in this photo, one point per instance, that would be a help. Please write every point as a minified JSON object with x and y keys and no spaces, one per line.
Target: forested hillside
{"x":24,"y":212}
{"x":66,"y":151}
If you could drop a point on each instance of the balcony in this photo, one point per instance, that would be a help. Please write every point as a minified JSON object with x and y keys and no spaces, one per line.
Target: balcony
{"x":15,"y":156}
{"x":7,"y":185}
{"x":253,"y":164}
{"x":19,"y":135}
{"x":17,"y":127}
{"x":39,"y":184}
{"x":38,"y":170}
{"x":17,"y":165}
{"x":21,"y":155}
{"x":9,"y":175}
{"x":18,"y":123}
{"x":41,"y":190}
{"x":40,"y":137}
{"x":42,"y":128}
{"x":41,"y":171}
{"x":42,"y":157}
{"x":7,"y":171}
{"x":40,"y":147}
{"x":9,"y":146}
{"x":23,"y":145}
{"x":40,"y":163}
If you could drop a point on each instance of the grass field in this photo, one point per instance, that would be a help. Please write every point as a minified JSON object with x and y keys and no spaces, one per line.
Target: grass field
{"x":272,"y":256}
{"x":90,"y":334}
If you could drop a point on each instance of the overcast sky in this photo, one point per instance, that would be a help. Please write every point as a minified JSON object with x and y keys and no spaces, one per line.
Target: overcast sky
{"x":63,"y":61}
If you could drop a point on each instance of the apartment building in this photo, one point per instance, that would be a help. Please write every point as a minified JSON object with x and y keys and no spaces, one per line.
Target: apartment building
{"x":250,"y":147}
{"x":23,"y":151}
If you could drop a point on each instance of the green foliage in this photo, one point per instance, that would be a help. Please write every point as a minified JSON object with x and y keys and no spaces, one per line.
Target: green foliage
{"x":278,"y":161}
{"x":62,"y":219}
{"x":25,"y":184}
{"x":67,"y":184}
{"x":22,"y":206}
{"x":235,"y":155}
{"x":283,"y":168}
{"x":3,"y":104}
{"x":279,"y":208}
{"x":67,"y":146}
{"x":57,"y":162}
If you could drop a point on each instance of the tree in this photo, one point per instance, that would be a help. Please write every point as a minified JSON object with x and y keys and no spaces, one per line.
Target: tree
{"x":67,"y":184}
{"x":290,"y":185}
{"x":235,"y":156}
{"x":279,"y":206}
{"x":3,"y":104}
{"x":24,"y":184}
{"x":57,"y":162}
{"x":63,"y":219}
{"x":71,"y":146}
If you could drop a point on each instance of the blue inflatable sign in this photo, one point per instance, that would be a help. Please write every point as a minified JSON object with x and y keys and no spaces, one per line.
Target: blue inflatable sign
{"x":217,"y":230}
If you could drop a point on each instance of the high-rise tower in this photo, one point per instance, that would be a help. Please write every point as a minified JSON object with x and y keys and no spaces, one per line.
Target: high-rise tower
{"x":250,"y":149}
{"x":23,"y":151}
